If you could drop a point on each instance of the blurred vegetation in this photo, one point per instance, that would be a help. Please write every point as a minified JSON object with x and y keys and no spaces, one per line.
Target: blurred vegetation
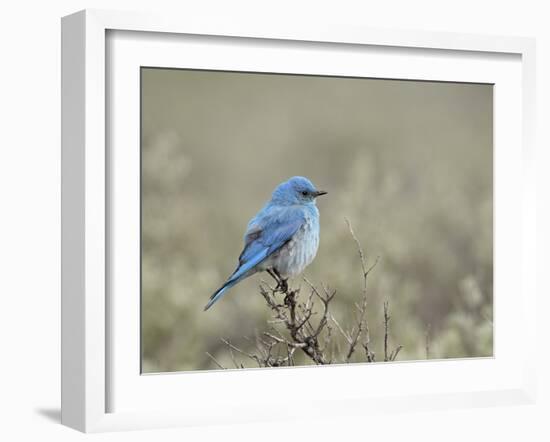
{"x":408,"y":162}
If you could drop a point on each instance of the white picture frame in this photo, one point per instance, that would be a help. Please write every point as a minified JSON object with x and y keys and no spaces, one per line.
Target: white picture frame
{"x":89,"y":331}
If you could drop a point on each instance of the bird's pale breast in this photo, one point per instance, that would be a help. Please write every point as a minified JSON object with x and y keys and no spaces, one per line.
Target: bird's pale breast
{"x":299,"y":252}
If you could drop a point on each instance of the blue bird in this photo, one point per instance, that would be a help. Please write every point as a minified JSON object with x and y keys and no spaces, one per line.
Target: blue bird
{"x":282,"y":238}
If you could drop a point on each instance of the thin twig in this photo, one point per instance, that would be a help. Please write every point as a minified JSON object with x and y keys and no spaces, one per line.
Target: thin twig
{"x":386,"y":325}
{"x":427,"y":336}
{"x":238,"y":350}
{"x":284,"y":341}
{"x":392,"y":355}
{"x":215,"y":361}
{"x":362,"y":323}
{"x":395,"y":352}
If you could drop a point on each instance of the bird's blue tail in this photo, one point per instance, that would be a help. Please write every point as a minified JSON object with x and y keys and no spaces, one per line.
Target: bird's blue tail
{"x":220,"y":292}
{"x":243,"y":271}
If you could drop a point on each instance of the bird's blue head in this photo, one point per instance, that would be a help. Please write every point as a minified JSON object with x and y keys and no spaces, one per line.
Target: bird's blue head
{"x":297,"y":190}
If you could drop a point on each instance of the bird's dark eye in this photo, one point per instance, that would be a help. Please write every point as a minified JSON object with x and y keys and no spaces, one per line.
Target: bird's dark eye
{"x":304,"y":192}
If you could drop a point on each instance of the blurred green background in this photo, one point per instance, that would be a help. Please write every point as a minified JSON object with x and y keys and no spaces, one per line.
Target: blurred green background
{"x":408,"y":162}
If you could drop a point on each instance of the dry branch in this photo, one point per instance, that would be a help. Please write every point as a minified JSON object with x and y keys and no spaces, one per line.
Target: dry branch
{"x":306,"y":326}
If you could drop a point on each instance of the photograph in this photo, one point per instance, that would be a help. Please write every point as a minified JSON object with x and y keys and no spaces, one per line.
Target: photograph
{"x":304,"y":220}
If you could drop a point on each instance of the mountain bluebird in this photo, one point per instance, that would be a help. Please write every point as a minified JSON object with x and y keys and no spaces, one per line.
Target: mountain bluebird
{"x":282,"y":238}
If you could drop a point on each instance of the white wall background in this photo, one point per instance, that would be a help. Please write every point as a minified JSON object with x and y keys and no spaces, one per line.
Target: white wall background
{"x":30,"y":215}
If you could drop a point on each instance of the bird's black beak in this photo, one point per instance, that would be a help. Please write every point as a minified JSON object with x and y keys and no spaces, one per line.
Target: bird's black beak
{"x":319,"y":193}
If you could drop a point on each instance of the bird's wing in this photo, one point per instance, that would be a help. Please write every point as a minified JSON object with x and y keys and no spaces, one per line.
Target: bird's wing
{"x":268,"y":233}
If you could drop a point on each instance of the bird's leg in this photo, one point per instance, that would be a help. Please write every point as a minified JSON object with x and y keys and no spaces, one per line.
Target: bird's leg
{"x":283,"y":284}
{"x":274,"y":276}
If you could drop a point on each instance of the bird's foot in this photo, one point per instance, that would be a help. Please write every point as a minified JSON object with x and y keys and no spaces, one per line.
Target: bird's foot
{"x":283,"y":285}
{"x":275,"y":277}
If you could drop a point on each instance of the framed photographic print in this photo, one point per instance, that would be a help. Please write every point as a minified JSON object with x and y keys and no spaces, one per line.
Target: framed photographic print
{"x":337,"y":215}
